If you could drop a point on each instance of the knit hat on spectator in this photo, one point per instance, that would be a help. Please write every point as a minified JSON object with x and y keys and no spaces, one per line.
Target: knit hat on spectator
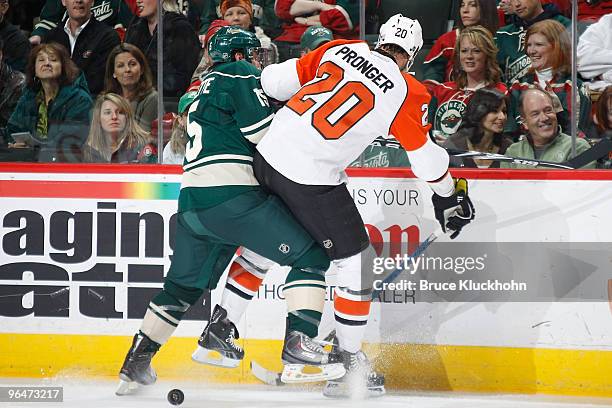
{"x":315,"y":36}
{"x":245,"y":4}
{"x":213,"y":28}
{"x":189,"y":96}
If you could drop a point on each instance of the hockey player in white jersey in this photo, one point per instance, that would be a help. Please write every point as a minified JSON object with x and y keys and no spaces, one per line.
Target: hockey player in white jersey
{"x":339,"y":98}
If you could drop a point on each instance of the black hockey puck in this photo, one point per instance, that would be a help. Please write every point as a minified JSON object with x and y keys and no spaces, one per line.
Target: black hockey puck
{"x":176,"y":397}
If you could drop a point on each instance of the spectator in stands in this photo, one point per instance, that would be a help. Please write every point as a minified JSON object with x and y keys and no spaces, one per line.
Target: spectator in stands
{"x":474,"y":68}
{"x":549,"y":50}
{"x":505,"y":12}
{"x":16,"y":45}
{"x":174,"y":151}
{"x":590,"y":11}
{"x":481,"y":129}
{"x":314,"y":37}
{"x":128,"y":74}
{"x":511,"y":57}
{"x":544,"y":140}
{"x":262,"y":16}
{"x":240,"y":13}
{"x":603,"y":123}
{"x":114,"y":13}
{"x":181,"y":47}
{"x":439,"y":62}
{"x":88,"y":40}
{"x":115,"y":136}
{"x":206,"y":62}
{"x":603,"y":113}
{"x":340,"y":16}
{"x":55,"y":106}
{"x":12,"y":84}
{"x":595,"y":53}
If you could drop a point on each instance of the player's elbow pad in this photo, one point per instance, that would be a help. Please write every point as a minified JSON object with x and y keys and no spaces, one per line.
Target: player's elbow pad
{"x":429,"y":162}
{"x":280,"y":81}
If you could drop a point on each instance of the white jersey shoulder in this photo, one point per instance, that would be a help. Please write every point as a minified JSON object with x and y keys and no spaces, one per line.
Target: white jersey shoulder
{"x":353,"y":98}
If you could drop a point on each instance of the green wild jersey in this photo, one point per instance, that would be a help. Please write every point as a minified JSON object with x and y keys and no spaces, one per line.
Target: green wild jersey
{"x":229,"y":116}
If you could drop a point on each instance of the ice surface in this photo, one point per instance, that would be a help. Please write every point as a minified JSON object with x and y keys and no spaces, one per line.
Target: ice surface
{"x":94,"y":394}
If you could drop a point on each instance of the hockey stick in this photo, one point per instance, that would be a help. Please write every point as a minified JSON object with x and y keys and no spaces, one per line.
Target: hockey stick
{"x":595,"y":152}
{"x":417,"y":252}
{"x":274,"y":378}
{"x":469,"y":154}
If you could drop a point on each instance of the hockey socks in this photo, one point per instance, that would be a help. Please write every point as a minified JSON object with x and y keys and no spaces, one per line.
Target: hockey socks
{"x":351,"y":311}
{"x":352,"y":299}
{"x":304,"y":293}
{"x":166,"y":310}
{"x":242,"y":284}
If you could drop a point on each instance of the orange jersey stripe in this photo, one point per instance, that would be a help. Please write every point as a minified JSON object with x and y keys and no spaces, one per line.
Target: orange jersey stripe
{"x":410,"y":126}
{"x":308,"y":65}
{"x":352,"y":307}
{"x":244,"y":278}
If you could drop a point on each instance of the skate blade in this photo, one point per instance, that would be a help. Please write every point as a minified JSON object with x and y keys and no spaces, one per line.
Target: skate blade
{"x":126,"y":387}
{"x":212,"y":357}
{"x":342,"y":390}
{"x":301,"y":373}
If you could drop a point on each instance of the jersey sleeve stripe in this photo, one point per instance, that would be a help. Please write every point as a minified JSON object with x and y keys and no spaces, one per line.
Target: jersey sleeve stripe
{"x":217,"y":157}
{"x":257,"y":136}
{"x":258,"y":125}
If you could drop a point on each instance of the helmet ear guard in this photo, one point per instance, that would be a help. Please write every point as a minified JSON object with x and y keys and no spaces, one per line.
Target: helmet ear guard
{"x":403,"y":32}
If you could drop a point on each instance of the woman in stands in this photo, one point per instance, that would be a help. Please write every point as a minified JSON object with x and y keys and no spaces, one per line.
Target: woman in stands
{"x":115,"y":136}
{"x":54,"y":107}
{"x":548,"y":47}
{"x":174,"y":150}
{"x":603,"y":120}
{"x":475,"y":68}
{"x":438,"y":64}
{"x":181,"y":47}
{"x":481,"y":129}
{"x":128,"y":74}
{"x":236,"y":13}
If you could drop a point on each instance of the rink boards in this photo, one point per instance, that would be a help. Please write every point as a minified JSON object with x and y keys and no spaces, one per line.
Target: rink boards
{"x":85,"y":248}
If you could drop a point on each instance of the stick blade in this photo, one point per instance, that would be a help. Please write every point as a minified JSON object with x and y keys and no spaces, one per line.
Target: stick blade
{"x":264,"y":375}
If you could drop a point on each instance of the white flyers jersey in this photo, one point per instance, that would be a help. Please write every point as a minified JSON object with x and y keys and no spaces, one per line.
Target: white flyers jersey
{"x":340,"y":98}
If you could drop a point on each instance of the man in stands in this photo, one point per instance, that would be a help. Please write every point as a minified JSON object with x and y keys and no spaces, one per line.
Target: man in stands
{"x":510,"y":39}
{"x":88,"y":40}
{"x":12,"y":84}
{"x":16,"y":45}
{"x":544,"y":140}
{"x":114,"y":13}
{"x":314,"y":37}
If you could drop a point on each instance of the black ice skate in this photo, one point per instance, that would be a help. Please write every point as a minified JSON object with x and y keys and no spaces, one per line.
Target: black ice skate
{"x":360,"y":378}
{"x":217,"y":345}
{"x":299,"y":351}
{"x":136,"y":369}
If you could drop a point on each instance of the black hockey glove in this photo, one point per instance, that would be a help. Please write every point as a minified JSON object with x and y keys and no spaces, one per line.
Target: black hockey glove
{"x":456,"y":211}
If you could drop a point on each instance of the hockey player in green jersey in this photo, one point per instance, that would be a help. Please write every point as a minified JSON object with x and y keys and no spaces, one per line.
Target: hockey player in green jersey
{"x":221,"y":208}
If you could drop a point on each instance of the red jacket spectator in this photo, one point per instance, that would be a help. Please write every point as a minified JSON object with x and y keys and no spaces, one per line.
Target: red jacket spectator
{"x":592,"y":10}
{"x":342,"y":18}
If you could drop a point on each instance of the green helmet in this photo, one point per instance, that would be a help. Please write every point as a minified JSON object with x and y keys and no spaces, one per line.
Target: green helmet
{"x":229,"y":39}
